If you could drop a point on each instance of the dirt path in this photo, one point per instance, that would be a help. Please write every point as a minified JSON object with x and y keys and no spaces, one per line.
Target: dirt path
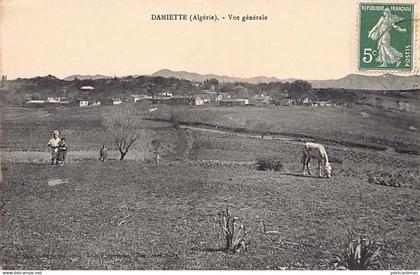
{"x":72,"y":156}
{"x":269,"y":137}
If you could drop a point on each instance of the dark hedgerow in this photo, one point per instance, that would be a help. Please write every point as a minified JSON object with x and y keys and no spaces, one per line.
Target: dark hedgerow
{"x":272,"y":163}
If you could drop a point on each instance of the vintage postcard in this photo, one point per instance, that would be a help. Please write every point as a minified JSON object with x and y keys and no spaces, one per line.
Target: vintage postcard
{"x":209,"y":135}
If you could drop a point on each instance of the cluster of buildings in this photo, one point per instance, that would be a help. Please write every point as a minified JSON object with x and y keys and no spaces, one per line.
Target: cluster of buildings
{"x":223,"y":99}
{"x":49,"y":100}
{"x":168,"y":98}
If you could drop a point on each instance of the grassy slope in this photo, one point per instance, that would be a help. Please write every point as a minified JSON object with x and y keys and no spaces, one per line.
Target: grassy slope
{"x":130,"y":216}
{"x":30,"y":128}
{"x":340,"y":124}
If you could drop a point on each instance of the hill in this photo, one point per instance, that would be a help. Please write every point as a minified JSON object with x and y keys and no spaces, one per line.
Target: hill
{"x":352,"y":81}
{"x":222,"y":78}
{"x":363,"y":82}
{"x":84,"y":77}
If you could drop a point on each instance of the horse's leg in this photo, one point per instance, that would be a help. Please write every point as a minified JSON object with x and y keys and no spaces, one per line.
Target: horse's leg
{"x":319,"y":167}
{"x":303,"y":164}
{"x":308,"y":166}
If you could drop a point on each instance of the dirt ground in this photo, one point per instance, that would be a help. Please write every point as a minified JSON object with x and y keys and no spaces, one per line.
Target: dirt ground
{"x":138,"y":216}
{"x":133,"y":214}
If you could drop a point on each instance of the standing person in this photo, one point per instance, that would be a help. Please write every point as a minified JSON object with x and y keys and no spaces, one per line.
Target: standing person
{"x":62,"y":150}
{"x":53,"y":144}
{"x":382,"y":32}
{"x":102,"y":153}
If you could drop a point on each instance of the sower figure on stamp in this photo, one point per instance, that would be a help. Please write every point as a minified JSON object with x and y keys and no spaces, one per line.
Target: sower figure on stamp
{"x":53,"y":144}
{"x":382,"y":32}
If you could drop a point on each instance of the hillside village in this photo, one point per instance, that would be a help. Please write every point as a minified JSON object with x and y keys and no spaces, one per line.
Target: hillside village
{"x":50,"y":90}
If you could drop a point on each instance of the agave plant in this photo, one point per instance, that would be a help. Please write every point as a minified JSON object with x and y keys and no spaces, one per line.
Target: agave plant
{"x":233,"y":232}
{"x":361,"y":254}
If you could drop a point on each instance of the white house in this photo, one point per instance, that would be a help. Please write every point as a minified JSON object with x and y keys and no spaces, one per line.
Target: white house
{"x":262,"y":99}
{"x":136,"y":98}
{"x":244,"y":101}
{"x":198,"y":101}
{"x":222,"y":96}
{"x":307,"y":101}
{"x":87,"y":88}
{"x":323,"y":104}
{"x":83,"y":103}
{"x":35,"y":101}
{"x":166,"y":94}
{"x":116,"y":101}
{"x":52,"y":99}
{"x":234,"y":102}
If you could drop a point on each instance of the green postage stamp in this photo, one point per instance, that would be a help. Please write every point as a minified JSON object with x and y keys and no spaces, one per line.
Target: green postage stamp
{"x":386,"y":36}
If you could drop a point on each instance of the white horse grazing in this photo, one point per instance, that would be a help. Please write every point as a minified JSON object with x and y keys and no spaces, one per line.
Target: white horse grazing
{"x":316,"y":151}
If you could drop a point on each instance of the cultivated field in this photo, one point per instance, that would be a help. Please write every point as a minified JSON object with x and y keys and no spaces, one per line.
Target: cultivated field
{"x":138,"y":215}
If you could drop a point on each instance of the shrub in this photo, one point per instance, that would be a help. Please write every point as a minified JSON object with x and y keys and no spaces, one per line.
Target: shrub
{"x":402,"y":179}
{"x":383,"y":179}
{"x":233,"y":232}
{"x":361,"y":254}
{"x":269,"y":163}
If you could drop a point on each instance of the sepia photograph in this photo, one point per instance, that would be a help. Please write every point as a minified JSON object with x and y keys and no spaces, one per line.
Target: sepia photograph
{"x":140,"y":135}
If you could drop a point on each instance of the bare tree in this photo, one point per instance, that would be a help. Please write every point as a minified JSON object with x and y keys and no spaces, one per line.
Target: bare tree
{"x":124,"y":124}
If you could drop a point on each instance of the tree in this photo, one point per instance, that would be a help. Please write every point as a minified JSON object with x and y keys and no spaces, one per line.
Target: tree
{"x":300,"y":89}
{"x":124,"y":124}
{"x":149,"y":87}
{"x":211,"y":84}
{"x":213,"y":81}
{"x":261,"y":127}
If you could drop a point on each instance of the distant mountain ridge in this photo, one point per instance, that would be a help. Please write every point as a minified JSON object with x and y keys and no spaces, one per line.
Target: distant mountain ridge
{"x":351,"y":81}
{"x":363,"y":82}
{"x":222,"y":78}
{"x":84,"y":77}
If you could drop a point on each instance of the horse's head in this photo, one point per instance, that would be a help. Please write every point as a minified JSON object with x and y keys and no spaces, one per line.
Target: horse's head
{"x":327,"y":170}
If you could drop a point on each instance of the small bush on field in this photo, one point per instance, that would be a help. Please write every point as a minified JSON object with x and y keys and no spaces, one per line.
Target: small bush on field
{"x":361,"y":254}
{"x":233,"y":232}
{"x":269,"y":163}
{"x":400,"y":179}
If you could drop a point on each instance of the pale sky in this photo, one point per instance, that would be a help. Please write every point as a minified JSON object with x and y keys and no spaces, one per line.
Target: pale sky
{"x":308,"y":39}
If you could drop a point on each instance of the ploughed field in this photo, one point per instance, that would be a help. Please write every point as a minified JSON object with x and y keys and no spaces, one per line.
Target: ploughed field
{"x":136,"y":215}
